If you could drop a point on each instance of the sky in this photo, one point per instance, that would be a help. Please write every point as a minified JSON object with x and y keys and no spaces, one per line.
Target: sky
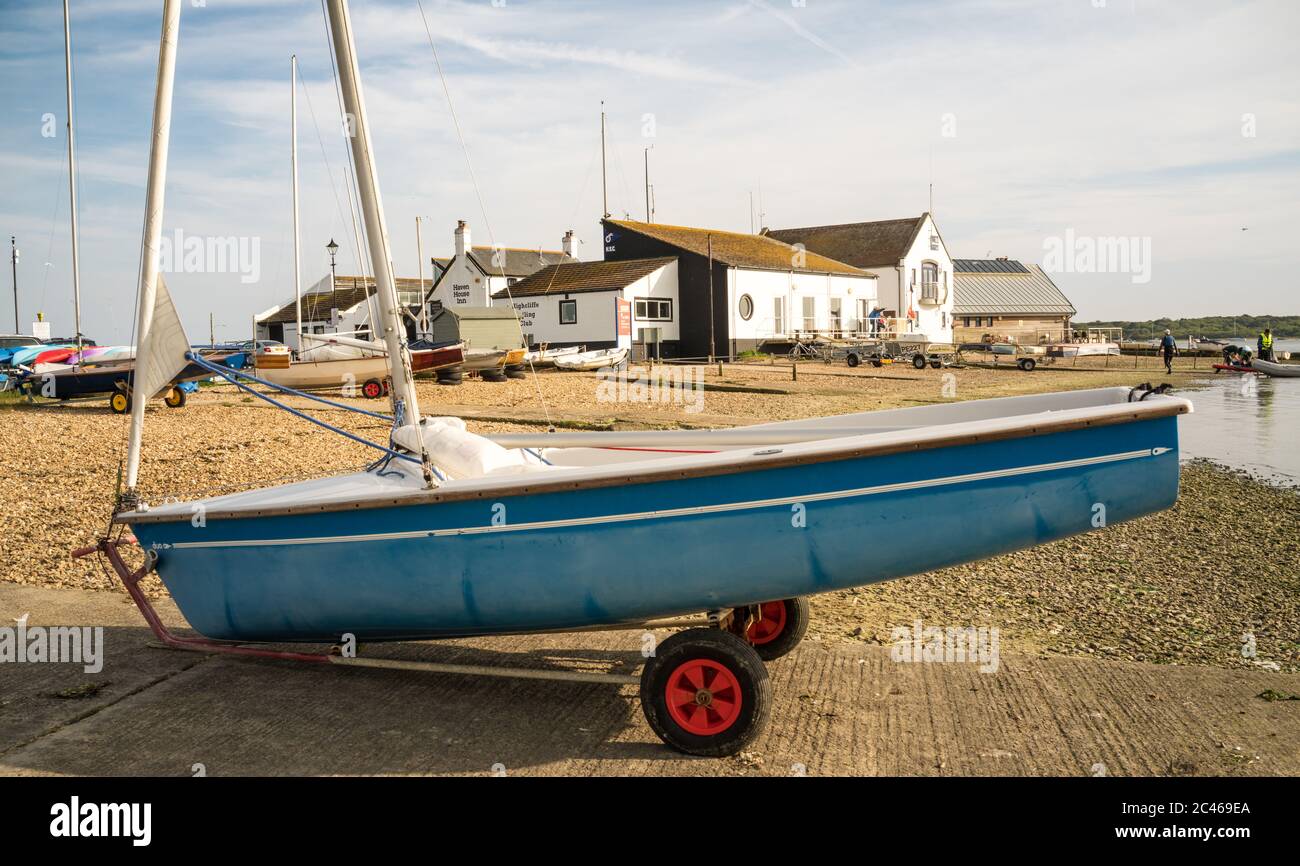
{"x":1168,"y":130}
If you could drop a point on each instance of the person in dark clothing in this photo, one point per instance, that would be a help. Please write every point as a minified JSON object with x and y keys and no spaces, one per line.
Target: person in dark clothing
{"x":1168,"y":348}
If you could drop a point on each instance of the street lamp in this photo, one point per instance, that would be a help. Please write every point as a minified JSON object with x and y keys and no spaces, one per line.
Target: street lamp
{"x":333,"y":248}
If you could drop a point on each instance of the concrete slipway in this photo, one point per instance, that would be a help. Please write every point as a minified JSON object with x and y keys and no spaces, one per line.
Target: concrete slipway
{"x":843,"y":709}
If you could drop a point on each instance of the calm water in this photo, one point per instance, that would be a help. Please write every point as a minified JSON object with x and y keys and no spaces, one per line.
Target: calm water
{"x":1247,"y":422}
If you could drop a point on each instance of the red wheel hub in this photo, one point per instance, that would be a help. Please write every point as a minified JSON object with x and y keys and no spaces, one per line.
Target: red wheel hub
{"x":703,"y":697}
{"x":372,"y":390}
{"x":768,"y":626}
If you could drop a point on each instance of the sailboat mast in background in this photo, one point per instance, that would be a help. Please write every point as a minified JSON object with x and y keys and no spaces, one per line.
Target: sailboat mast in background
{"x":72,"y":180}
{"x":293,"y":163}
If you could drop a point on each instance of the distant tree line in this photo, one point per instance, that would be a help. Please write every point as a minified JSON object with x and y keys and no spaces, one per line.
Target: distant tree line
{"x":1205,"y":326}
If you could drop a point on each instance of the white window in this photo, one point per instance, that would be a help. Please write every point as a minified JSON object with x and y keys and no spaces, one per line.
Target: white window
{"x":929,"y":281}
{"x":810,"y":314}
{"x":837,"y":316}
{"x":934,"y":242}
{"x":568,"y":312}
{"x":654,"y":309}
{"x":746,"y":307}
{"x":778,"y":315}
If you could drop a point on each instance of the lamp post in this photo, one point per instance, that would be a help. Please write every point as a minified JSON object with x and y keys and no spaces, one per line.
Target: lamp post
{"x":333,"y":248}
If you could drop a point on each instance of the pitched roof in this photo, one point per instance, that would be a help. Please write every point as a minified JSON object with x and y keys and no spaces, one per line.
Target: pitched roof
{"x":316,"y":305}
{"x":738,"y":250}
{"x":1000,"y":289}
{"x":862,"y":245}
{"x":988,"y":266}
{"x":514,"y":262}
{"x":585,"y":277}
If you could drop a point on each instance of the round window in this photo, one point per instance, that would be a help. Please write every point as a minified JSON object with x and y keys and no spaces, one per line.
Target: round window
{"x":746,"y":307}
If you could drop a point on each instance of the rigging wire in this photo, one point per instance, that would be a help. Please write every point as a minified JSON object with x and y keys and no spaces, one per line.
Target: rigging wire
{"x":329,"y":171}
{"x":478,"y":193}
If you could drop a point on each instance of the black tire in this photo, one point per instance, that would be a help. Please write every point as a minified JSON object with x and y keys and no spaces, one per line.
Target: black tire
{"x":120,"y":402}
{"x":935,"y":365}
{"x":854,"y":360}
{"x":1028,"y":364}
{"x":794,"y":626}
{"x":516,"y":373}
{"x":715,"y":650}
{"x":452,"y":378}
{"x":918,"y":361}
{"x":492,"y":376}
{"x":175,"y":398}
{"x":876,"y":362}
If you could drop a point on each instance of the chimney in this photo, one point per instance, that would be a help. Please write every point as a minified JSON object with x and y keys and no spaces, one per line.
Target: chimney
{"x":568,"y":244}
{"x":462,"y":239}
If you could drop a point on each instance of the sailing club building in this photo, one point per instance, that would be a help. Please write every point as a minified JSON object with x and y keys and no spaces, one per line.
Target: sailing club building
{"x":683,"y":292}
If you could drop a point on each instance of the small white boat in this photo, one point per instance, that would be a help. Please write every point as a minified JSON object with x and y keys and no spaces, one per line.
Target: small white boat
{"x":592,"y":360}
{"x":1272,"y":368}
{"x":545,"y":357}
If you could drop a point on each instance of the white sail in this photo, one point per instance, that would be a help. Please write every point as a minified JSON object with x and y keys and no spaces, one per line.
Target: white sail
{"x":164,"y":347}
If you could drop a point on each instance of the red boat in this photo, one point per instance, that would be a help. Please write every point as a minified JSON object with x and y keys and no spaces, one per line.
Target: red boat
{"x":439,"y":358}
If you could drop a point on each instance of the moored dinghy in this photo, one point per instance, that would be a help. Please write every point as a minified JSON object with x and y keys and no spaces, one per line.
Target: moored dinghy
{"x":1272,"y":368}
{"x":457,"y":534}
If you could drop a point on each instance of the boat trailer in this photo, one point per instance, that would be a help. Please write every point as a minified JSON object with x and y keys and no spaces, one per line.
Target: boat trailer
{"x":704,"y":690}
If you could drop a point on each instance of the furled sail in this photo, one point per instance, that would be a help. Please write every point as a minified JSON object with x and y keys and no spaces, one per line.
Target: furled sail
{"x":165,"y":346}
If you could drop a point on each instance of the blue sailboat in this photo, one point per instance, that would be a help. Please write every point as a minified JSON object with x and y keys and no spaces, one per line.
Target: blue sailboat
{"x":454,"y":534}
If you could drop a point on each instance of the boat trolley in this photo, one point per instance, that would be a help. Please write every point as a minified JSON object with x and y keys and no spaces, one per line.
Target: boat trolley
{"x":704,"y":689}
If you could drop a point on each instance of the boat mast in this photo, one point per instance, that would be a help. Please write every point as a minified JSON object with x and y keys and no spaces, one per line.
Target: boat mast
{"x":293,"y":164}
{"x":72,"y":180}
{"x":399,"y":356}
{"x":153,"y":215}
{"x":604,"y":185}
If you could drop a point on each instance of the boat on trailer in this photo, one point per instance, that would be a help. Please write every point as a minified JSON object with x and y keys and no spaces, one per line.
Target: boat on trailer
{"x":454,"y":534}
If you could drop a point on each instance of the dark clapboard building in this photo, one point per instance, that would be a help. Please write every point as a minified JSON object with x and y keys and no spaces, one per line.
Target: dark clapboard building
{"x":762,"y":289}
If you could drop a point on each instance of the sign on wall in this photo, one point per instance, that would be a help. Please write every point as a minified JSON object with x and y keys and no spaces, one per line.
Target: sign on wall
{"x":623,"y":310}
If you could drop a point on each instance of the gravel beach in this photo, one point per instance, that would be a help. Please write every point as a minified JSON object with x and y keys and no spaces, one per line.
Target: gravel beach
{"x":1212,"y":581}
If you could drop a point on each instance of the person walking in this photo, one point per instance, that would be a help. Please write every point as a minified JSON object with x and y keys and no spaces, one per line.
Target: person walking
{"x":1264,"y":345}
{"x":1169,"y":348}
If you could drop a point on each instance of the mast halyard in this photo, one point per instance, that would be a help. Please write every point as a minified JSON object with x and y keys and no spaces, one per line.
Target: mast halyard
{"x":72,"y":181}
{"x":399,"y":356}
{"x":293,"y":165}
{"x":153,"y":215}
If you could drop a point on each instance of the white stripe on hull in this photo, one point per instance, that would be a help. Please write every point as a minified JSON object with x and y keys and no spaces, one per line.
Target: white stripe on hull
{"x":684,"y":512}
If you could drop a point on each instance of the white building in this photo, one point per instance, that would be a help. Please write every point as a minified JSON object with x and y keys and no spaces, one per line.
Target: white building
{"x":343,"y":304}
{"x":474,"y":274}
{"x":908,"y":255}
{"x":599,"y":304}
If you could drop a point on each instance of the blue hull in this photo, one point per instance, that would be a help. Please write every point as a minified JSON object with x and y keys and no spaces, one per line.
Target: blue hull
{"x":911,"y":512}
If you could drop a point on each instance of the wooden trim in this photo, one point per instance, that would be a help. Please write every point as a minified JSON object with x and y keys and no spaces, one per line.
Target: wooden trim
{"x":1140,"y":412}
